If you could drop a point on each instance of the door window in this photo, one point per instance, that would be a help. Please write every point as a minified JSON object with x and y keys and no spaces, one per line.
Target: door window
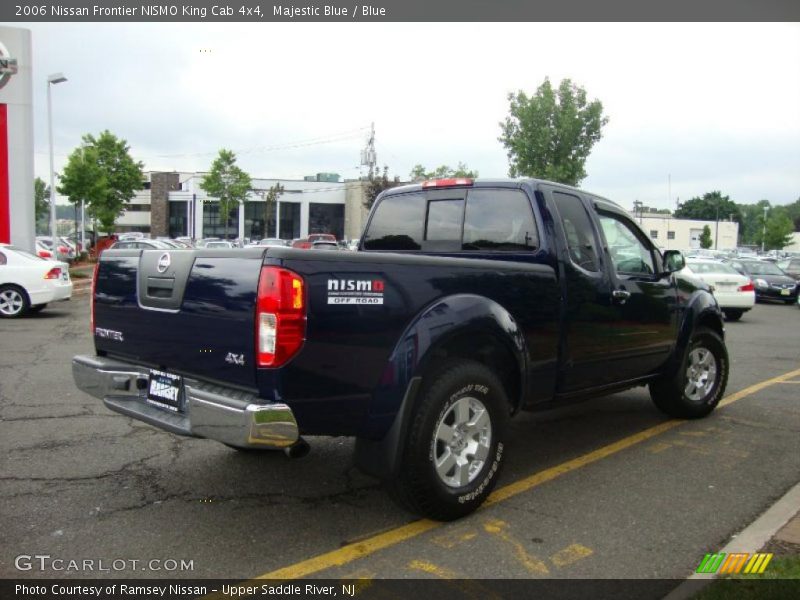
{"x":630,"y":254}
{"x":578,"y":231}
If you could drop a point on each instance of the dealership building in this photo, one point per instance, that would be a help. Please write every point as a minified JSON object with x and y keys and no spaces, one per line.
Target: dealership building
{"x":670,"y":233}
{"x":173,"y":204}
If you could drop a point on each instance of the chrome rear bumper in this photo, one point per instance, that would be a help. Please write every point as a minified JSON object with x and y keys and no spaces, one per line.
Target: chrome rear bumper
{"x":210,"y":411}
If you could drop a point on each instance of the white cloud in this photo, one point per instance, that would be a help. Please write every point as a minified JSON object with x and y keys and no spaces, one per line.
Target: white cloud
{"x":717,"y":106}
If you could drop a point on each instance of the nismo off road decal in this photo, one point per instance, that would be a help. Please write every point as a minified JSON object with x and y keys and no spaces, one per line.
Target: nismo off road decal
{"x":355,"y":291}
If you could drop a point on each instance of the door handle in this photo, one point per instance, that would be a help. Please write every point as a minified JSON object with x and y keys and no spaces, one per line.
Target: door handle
{"x":620,"y":296}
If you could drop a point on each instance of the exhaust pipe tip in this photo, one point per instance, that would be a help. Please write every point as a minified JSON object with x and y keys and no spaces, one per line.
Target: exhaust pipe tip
{"x":297,"y":450}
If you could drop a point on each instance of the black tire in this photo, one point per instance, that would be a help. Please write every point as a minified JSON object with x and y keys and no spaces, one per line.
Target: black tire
{"x":670,"y":393}
{"x":733,"y":314}
{"x":418,"y":486}
{"x":14,"y":301}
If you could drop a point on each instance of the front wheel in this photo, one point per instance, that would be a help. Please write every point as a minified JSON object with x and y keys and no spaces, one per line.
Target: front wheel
{"x":455,"y":445}
{"x":733,"y":315}
{"x":698,"y":386}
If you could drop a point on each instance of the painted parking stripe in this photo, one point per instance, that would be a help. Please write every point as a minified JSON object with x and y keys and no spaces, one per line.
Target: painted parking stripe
{"x":366,"y":547}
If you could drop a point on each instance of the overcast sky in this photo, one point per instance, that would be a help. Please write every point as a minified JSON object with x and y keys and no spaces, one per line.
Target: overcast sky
{"x":717,"y":107}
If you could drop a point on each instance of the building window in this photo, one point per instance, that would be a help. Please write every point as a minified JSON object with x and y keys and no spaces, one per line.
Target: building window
{"x":290,"y":220}
{"x":670,"y":235}
{"x":654,"y":234}
{"x":137,"y":208}
{"x":254,"y":215}
{"x":177,"y":219}
{"x":214,"y":225}
{"x":326,"y":218}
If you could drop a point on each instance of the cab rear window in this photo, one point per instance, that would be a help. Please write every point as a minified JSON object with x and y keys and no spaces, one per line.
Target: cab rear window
{"x":475,"y":220}
{"x":397,"y":223}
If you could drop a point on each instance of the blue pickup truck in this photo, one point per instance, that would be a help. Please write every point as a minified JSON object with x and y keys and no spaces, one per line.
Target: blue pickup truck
{"x":466,"y":302}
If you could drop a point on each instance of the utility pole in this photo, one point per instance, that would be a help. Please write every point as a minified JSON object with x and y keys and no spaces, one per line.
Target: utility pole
{"x":637,"y":209}
{"x":764,"y":231}
{"x":369,"y":158}
{"x":716,"y":229}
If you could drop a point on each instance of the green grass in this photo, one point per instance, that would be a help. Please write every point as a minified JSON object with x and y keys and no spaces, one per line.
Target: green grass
{"x":78,"y":275}
{"x":780,"y":580}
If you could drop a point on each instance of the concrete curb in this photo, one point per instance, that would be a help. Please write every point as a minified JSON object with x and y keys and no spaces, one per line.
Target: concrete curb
{"x":751,"y":539}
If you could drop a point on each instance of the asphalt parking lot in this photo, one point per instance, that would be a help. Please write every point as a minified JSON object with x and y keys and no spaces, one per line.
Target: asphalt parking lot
{"x":608,"y":488}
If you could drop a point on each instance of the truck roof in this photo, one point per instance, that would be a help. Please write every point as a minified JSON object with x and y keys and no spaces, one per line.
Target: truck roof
{"x":501,"y":182}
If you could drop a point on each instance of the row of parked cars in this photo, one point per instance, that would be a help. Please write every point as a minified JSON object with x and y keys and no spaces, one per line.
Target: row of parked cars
{"x":315,"y":241}
{"x":738,"y":281}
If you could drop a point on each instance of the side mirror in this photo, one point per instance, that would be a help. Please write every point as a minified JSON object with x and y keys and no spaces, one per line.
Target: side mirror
{"x":673,"y":261}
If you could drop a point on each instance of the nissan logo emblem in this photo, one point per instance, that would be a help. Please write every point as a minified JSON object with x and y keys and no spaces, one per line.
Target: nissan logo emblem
{"x":163,"y":262}
{"x":8,"y":66}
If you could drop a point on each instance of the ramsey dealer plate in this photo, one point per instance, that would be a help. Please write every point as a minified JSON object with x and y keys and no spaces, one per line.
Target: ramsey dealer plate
{"x":165,"y":390}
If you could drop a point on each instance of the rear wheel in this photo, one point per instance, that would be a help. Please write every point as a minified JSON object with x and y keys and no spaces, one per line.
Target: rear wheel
{"x":696,"y":389}
{"x":455,"y":445}
{"x":733,"y":314}
{"x":13,"y":302}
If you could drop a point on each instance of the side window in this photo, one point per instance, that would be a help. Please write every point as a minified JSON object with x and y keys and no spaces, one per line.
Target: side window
{"x":3,"y":259}
{"x":444,"y":220}
{"x":397,"y":223}
{"x":499,"y":220}
{"x":629,"y":252}
{"x":578,"y":230}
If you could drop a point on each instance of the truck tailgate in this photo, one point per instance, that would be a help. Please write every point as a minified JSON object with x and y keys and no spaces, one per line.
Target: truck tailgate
{"x":183,"y":311}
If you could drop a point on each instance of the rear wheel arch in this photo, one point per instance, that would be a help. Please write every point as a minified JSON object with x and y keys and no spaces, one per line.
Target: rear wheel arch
{"x":484,"y":347}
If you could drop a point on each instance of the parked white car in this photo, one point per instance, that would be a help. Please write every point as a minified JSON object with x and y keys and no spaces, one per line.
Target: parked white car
{"x":28,"y":283}
{"x":734,"y":292}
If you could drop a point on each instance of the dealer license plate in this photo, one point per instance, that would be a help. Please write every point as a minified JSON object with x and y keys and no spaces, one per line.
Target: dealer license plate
{"x":165,"y":390}
{"x":785,"y":292}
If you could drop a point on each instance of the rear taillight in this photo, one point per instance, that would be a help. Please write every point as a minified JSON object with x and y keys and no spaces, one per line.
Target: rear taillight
{"x":53,"y":273}
{"x":449,"y":182}
{"x":63,"y":249}
{"x":91,"y":299}
{"x":280,"y":316}
{"x":44,"y":254}
{"x":747,"y":287}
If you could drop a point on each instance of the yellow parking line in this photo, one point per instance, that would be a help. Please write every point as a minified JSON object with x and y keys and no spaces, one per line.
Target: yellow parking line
{"x":351,"y":552}
{"x":363,"y":548}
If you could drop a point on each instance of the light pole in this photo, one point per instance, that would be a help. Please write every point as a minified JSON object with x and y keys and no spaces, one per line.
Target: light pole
{"x":764,"y":231}
{"x":52,"y":80}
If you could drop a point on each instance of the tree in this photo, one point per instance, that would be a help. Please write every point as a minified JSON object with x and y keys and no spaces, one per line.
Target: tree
{"x":227,"y":183}
{"x":377,"y":185}
{"x":418,"y":173}
{"x":269,"y":205}
{"x":551,"y":134}
{"x":102,"y":172}
{"x":41,"y":199}
{"x":705,"y":238}
{"x":712,"y":206}
{"x":779,"y":232}
{"x":751,"y":226}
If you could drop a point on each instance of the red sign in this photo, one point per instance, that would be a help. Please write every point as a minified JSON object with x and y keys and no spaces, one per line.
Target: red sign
{"x":5,"y":214}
